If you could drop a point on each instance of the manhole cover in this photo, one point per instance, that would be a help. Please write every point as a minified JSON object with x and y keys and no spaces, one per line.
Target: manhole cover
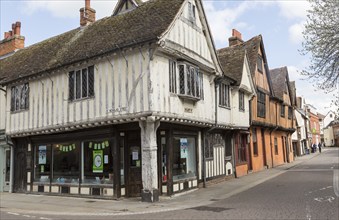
{"x":211,"y":209}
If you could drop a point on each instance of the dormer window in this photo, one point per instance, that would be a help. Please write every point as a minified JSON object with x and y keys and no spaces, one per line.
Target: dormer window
{"x":191,"y":12}
{"x":260,"y":64}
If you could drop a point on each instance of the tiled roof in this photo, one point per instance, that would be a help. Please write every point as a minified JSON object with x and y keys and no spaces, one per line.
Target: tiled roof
{"x":278,"y":77}
{"x":232,"y":58}
{"x":144,"y":24}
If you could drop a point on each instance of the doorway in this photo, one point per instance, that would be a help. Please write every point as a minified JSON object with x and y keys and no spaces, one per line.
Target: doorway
{"x":133,"y":165}
{"x":7,"y":170}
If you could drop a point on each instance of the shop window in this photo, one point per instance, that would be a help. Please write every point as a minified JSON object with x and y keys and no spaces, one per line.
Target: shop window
{"x":20,"y":97}
{"x":261,"y":105}
{"x":224,"y":95}
{"x":66,"y":163}
{"x":81,"y":83}
{"x":42,"y":161}
{"x":164,"y":159}
{"x":255,"y":143}
{"x":276,"y":146}
{"x":98,"y":162}
{"x":184,"y":158}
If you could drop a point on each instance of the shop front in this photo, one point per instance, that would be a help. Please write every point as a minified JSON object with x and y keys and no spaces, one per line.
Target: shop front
{"x":177,"y":158}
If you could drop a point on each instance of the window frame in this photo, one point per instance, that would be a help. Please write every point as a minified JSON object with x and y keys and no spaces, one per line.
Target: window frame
{"x":191,"y":12}
{"x":241,"y":100}
{"x":260,"y":64}
{"x":19,"y":97}
{"x":190,"y":81}
{"x":75,"y":78}
{"x":255,"y":141}
{"x":261,"y":104}
{"x":172,"y":76}
{"x":282,"y":110}
{"x":224,"y":95}
{"x":290,"y":112}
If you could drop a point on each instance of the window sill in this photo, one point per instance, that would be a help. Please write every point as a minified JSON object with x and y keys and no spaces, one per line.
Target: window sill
{"x":19,"y":111}
{"x":225,"y":107}
{"x":241,"y":110}
{"x":80,"y":100}
{"x":192,"y":98}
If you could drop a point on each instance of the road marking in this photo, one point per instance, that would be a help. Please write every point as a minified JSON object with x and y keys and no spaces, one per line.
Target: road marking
{"x":12,"y":213}
{"x":325,"y":199}
{"x":336,"y":182}
{"x":28,"y":216}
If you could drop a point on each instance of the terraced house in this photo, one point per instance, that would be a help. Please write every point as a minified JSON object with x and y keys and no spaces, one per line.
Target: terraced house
{"x":271,"y":111}
{"x":135,"y":104}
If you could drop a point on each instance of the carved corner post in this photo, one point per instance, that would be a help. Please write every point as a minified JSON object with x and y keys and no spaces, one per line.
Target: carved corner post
{"x":150,"y":191}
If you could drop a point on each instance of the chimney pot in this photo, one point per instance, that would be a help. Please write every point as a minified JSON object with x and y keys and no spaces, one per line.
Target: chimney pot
{"x":10,"y":33}
{"x":236,"y":38}
{"x":13,"y":28}
{"x":17,"y":28}
{"x":87,"y":4}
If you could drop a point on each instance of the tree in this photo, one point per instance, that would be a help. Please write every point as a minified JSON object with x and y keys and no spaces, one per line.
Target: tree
{"x":321,"y":41}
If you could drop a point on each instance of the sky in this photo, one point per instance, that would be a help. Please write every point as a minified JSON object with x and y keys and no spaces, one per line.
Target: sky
{"x":279,"y":22}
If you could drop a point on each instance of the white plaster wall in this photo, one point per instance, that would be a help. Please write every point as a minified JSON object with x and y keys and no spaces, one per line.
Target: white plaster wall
{"x":2,"y":108}
{"x":118,"y":84}
{"x":328,"y":136}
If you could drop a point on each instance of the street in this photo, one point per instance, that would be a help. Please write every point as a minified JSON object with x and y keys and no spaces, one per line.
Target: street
{"x":308,"y":190}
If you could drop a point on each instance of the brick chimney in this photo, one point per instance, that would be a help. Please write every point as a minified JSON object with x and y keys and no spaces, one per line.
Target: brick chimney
{"x":236,"y":38}
{"x":87,"y":14}
{"x":12,"y":40}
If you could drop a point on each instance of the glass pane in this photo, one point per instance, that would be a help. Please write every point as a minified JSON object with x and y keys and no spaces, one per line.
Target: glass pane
{"x":66,"y":163}
{"x":91,"y":81}
{"x":122,"y":161}
{"x":71,"y":86}
{"x":98,"y":162}
{"x":182,"y":79}
{"x":184,"y":158}
{"x":84,"y":83}
{"x":78,"y":84}
{"x":8,"y":165}
{"x":164,"y":159}
{"x":42,"y":164}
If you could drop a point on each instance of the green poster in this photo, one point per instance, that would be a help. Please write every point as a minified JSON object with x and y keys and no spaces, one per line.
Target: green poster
{"x":98,"y":162}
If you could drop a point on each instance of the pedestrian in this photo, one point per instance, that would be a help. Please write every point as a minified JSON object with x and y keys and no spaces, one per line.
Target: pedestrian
{"x":319,"y":146}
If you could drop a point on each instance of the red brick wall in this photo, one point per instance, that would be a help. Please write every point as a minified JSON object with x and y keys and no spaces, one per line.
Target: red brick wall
{"x":11,"y":44}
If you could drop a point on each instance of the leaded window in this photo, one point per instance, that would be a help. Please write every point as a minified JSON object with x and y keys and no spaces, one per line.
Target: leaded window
{"x":173,"y":76}
{"x":224,"y":95}
{"x":81,"y":83}
{"x":261,"y":104}
{"x":191,"y":12}
{"x":190,"y":81}
{"x":20,"y":97}
{"x":241,"y":101}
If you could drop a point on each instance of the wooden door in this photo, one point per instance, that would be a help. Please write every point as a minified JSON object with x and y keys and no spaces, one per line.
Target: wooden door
{"x":133,"y":165}
{"x":20,"y":165}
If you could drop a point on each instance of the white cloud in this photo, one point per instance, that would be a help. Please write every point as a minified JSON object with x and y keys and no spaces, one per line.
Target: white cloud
{"x":296,"y":32}
{"x":69,"y":9}
{"x":294,"y":9}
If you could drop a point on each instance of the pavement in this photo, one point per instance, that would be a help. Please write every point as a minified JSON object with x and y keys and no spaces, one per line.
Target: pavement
{"x":72,"y":206}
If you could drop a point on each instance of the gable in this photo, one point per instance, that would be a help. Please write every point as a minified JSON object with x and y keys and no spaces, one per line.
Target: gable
{"x":246,"y":79}
{"x":125,"y":6}
{"x":190,"y":36}
{"x":261,"y":77}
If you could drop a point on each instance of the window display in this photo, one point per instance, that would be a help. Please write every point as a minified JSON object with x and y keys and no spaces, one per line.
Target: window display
{"x":98,"y":162}
{"x":42,"y":164}
{"x":184,"y":158}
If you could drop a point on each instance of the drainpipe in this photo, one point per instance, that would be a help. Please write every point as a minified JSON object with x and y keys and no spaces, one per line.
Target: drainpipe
{"x":11,"y":173}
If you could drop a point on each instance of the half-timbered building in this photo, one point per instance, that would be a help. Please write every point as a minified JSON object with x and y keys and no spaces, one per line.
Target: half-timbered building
{"x":123,"y":106}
